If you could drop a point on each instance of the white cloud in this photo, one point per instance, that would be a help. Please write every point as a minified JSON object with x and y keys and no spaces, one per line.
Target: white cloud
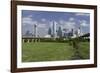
{"x":43,"y":19}
{"x":30,"y":16}
{"x":70,"y":24}
{"x":28,"y":20}
{"x":71,"y":19}
{"x":84,"y":23}
{"x":41,"y":25}
{"x":61,"y":21}
{"x":82,"y":14}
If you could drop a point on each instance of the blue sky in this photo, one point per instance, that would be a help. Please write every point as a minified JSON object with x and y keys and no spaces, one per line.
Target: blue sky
{"x":43,"y":19}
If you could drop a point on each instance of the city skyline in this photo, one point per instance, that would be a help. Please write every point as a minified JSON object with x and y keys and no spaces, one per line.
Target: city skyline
{"x":44,"y":19}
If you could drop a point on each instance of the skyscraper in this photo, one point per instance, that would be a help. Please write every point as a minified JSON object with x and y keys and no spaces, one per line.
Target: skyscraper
{"x":60,"y":32}
{"x":79,"y":31}
{"x":35,"y":30}
{"x":54,"y":29}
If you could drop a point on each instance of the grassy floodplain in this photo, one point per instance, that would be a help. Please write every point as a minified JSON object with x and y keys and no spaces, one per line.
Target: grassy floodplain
{"x":51,"y":51}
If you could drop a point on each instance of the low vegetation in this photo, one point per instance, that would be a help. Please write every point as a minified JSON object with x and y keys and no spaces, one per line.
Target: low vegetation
{"x":54,"y":51}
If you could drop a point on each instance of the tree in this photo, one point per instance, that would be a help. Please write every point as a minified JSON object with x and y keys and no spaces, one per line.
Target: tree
{"x":75,"y":43}
{"x":49,"y":31}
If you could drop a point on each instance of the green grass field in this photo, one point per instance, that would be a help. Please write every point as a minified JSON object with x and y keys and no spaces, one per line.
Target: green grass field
{"x":51,"y":51}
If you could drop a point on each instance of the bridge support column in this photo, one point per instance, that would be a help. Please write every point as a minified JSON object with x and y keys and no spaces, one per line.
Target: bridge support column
{"x":28,"y":41}
{"x":23,"y":40}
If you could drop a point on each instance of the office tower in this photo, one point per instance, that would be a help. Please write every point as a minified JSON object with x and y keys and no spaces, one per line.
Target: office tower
{"x":54,"y":29}
{"x":35,"y":30}
{"x":79,"y":31}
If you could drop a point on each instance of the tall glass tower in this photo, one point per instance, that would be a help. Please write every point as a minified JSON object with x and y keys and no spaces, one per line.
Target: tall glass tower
{"x":35,"y":30}
{"x":54,"y":29}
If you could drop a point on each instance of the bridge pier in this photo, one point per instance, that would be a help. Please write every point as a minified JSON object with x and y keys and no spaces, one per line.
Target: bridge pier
{"x":28,"y":40}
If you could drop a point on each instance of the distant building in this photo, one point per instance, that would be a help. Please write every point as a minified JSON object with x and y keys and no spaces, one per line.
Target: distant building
{"x":35,"y":30}
{"x":76,"y":33}
{"x":60,"y":32}
{"x":63,"y":32}
{"x":49,"y":31}
{"x":79,"y":31}
{"x":28,"y":34}
{"x":54,"y":29}
{"x":47,"y":36}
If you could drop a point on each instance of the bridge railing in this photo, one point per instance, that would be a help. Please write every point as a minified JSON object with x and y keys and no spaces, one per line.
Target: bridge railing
{"x":43,"y":40}
{"x":27,"y":40}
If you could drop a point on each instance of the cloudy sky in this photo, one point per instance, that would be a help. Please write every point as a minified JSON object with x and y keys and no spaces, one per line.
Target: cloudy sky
{"x":44,"y":19}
